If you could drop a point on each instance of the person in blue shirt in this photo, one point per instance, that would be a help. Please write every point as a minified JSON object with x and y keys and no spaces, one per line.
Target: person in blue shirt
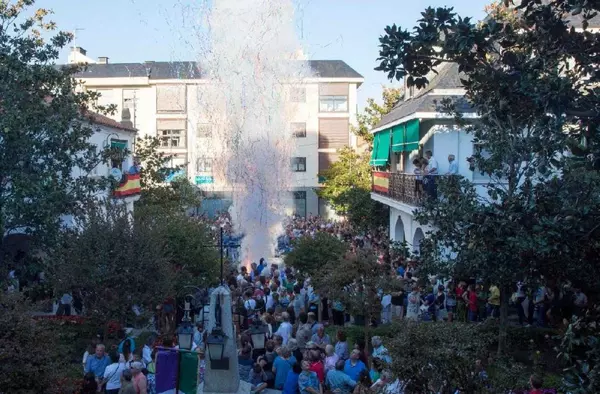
{"x":353,"y":366}
{"x":282,"y":365}
{"x":97,"y":364}
{"x":291,"y":382}
{"x":125,"y":338}
{"x":308,"y":382}
{"x":338,"y":380}
{"x":261,"y":265}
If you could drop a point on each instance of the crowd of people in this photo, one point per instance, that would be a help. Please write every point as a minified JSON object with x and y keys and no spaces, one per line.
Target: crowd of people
{"x":299,"y":356}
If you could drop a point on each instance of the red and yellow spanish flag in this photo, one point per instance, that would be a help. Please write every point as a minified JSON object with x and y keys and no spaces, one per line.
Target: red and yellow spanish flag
{"x":381,"y":182}
{"x":129,"y":187}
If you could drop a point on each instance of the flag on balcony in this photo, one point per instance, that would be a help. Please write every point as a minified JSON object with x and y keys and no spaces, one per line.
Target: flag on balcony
{"x":381,"y":182}
{"x":129,"y":187}
{"x":381,"y":149}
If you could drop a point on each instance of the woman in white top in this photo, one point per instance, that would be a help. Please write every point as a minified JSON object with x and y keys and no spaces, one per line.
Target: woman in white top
{"x":112,"y":374}
{"x":414,"y":302}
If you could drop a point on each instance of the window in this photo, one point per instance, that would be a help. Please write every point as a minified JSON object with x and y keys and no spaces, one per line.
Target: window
{"x":171,"y":138}
{"x":170,"y":98}
{"x":203,"y":164}
{"x":298,"y":129}
{"x":300,"y":203}
{"x":171,"y":133}
{"x":333,"y":103}
{"x":298,"y":95}
{"x":298,"y":164}
{"x":118,"y":152}
{"x":203,"y":130}
{"x":105,"y":97}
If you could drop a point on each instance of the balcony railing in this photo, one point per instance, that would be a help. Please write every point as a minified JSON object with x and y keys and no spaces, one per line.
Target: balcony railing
{"x":401,"y":187}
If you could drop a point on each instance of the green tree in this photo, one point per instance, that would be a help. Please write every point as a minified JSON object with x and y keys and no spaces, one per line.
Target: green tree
{"x":373,"y":112}
{"x":532,"y":80}
{"x":115,"y":264}
{"x":347,"y":187}
{"x":44,"y":132}
{"x":310,"y":254}
{"x":355,"y":280}
{"x":177,"y":194}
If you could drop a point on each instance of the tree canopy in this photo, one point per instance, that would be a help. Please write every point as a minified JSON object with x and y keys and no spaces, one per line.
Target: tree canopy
{"x":43,"y":130}
{"x":310,"y":254}
{"x":532,"y":79}
{"x":373,"y":112}
{"x":347,"y":187}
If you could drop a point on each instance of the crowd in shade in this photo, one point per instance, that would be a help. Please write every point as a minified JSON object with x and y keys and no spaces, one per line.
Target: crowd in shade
{"x":299,"y":356}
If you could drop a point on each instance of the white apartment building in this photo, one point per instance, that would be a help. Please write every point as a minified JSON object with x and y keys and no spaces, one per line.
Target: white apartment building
{"x":162,"y":98}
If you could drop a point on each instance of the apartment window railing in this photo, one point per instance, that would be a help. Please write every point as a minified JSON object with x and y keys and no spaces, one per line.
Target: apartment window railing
{"x":406,"y":188}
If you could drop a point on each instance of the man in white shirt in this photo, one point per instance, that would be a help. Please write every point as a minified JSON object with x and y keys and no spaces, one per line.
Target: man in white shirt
{"x":432,"y":166}
{"x":452,"y":165}
{"x":285,"y":329}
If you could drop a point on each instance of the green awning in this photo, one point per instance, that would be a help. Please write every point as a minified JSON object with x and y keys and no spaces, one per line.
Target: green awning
{"x":398,"y":138}
{"x":381,"y":149}
{"x":411,"y":140}
{"x":119,"y":144}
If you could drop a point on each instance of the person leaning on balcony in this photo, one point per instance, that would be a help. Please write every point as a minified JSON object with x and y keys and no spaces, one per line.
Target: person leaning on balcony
{"x":430,"y":172}
{"x":135,"y":168}
{"x":452,"y":165}
{"x":418,"y":171}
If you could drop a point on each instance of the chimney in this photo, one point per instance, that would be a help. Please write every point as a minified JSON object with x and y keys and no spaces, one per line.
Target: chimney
{"x":102,"y":60}
{"x":79,"y":50}
{"x":126,"y":118}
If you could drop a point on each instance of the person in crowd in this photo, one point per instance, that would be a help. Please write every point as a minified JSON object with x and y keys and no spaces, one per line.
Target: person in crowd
{"x":330,"y":359}
{"x":338,"y":380}
{"x":282,"y":365}
{"x":90,"y":385}
{"x":127,"y":385}
{"x":580,"y":301}
{"x":431,"y":171}
{"x":97,"y":363}
{"x":493,"y":302}
{"x":308,"y":382}
{"x":147,"y":350}
{"x":314,"y":324}
{"x":341,"y":346}
{"x":354,"y":366}
{"x":321,"y":339}
{"x":150,"y":372}
{"x":364,"y":383}
{"x":293,"y":346}
{"x":470,"y":298}
{"x":291,"y":381}
{"x":304,"y":331}
{"x":380,"y":351}
{"x":258,"y":378}
{"x":91,"y":349}
{"x":140,"y":383}
{"x":413,"y":304}
{"x":285,"y":329}
{"x":201,"y":364}
{"x":316,"y":364}
{"x":112,"y":374}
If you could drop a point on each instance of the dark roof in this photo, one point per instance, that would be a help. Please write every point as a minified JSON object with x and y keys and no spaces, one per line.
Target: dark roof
{"x":447,"y":77}
{"x":106,"y":121}
{"x":577,"y":20}
{"x":191,"y":70}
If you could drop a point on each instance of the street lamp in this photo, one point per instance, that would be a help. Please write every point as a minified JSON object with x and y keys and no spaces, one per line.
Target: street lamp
{"x":215,"y":343}
{"x":257,"y":333}
{"x":185,"y":332}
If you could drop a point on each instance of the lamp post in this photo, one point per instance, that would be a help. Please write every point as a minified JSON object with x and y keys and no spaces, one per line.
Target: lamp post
{"x":257,"y":332}
{"x":185,"y":331}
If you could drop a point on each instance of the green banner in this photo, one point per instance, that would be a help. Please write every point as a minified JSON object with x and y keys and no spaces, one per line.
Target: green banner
{"x":188,"y":372}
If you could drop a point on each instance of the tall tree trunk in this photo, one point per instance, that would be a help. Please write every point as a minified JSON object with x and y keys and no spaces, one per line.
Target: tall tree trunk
{"x":503,"y":327}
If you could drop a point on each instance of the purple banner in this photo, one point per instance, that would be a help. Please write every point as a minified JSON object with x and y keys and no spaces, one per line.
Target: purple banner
{"x":166,"y":371}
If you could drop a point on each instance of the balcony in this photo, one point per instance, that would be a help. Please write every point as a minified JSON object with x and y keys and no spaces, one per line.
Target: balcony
{"x":401,"y":187}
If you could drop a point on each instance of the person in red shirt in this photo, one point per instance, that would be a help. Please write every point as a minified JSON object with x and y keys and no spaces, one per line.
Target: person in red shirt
{"x":470,"y":297}
{"x":316,"y":365}
{"x":536,"y":384}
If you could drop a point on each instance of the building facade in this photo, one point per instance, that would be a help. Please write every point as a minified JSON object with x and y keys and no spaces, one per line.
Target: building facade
{"x":416,"y":125}
{"x":162,"y":98}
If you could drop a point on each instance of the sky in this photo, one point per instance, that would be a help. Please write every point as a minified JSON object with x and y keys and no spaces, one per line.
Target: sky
{"x":139,"y":30}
